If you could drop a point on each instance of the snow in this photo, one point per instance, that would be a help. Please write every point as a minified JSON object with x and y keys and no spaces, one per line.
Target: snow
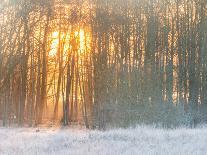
{"x":140,"y":140}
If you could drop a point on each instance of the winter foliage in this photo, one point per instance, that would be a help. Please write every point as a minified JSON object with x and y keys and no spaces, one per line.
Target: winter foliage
{"x":139,"y":140}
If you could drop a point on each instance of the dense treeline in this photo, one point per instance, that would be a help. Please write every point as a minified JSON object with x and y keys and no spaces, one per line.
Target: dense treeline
{"x":96,"y":62}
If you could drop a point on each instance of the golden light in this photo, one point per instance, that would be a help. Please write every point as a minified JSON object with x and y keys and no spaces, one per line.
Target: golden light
{"x":64,"y":41}
{"x":55,"y":43}
{"x":80,"y":35}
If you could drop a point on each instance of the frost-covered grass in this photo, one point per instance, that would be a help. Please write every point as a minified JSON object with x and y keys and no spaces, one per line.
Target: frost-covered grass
{"x":140,"y":140}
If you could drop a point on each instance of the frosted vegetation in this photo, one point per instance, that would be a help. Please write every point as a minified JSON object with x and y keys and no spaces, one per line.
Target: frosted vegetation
{"x":103,"y":63}
{"x":139,"y":140}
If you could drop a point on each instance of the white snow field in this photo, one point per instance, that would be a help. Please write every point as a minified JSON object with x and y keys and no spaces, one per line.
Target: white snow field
{"x":141,"y":140}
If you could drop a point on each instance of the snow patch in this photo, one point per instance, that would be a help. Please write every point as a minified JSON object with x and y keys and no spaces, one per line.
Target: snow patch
{"x":139,"y":140}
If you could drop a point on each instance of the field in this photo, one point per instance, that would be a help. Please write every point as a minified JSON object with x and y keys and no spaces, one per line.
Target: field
{"x":139,"y":140}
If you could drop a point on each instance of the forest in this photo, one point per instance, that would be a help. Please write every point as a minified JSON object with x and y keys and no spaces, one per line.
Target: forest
{"x":103,"y":63}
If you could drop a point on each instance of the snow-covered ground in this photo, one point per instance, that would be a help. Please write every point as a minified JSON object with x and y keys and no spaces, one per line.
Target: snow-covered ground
{"x":140,"y":140}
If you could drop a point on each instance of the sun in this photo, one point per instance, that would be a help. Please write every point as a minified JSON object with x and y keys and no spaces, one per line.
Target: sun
{"x":54,"y":44}
{"x":55,"y":41}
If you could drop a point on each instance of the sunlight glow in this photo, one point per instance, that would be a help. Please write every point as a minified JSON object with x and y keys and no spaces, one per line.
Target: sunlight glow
{"x":55,"y":44}
{"x":81,"y":40}
{"x":81,"y":35}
